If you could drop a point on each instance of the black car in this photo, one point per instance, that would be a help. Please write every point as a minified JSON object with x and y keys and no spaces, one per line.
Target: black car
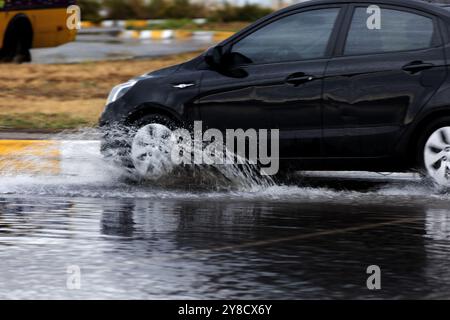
{"x":346,"y":94}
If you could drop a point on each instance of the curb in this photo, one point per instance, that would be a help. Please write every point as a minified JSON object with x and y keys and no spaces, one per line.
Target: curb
{"x":215,"y":36}
{"x":132,"y":23}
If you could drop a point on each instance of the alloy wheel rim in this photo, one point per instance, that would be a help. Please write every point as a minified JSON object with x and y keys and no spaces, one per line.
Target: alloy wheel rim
{"x":151,"y":151}
{"x":437,"y":156}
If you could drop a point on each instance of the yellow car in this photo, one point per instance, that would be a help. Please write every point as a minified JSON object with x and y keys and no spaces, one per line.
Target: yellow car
{"x":26,"y":24}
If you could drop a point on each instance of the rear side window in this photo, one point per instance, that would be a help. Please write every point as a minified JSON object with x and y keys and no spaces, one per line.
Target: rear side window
{"x":399,"y":31}
{"x":296,"y":37}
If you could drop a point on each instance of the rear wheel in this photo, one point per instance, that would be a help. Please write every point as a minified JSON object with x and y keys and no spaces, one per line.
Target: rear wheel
{"x":434,"y":152}
{"x":17,"y":43}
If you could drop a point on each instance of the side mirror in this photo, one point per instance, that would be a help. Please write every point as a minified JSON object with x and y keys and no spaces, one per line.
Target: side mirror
{"x":234,"y":64}
{"x":214,"y":57}
{"x":228,"y":63}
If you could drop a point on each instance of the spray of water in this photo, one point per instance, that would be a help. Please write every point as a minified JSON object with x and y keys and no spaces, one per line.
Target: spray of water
{"x":70,"y":164}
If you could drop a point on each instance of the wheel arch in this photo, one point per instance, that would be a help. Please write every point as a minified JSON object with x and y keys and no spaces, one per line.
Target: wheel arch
{"x":153,"y":108}
{"x":23,"y":23}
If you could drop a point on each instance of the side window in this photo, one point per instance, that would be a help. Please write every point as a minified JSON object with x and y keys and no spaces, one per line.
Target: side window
{"x":299,"y":36}
{"x":399,"y":31}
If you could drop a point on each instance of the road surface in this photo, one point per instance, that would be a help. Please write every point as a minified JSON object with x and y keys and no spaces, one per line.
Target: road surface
{"x":105,"y":47}
{"x":194,"y":236}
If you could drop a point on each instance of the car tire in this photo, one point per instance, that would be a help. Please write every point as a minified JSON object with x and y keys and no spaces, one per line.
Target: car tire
{"x":433,"y":152}
{"x":118,"y":146}
{"x":16,"y":48}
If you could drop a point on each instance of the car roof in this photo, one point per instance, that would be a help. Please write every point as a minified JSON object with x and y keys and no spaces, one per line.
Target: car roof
{"x":438,"y":8}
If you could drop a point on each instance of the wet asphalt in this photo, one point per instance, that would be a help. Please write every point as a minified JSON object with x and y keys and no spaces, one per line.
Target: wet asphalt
{"x":101,"y":47}
{"x":311,"y":239}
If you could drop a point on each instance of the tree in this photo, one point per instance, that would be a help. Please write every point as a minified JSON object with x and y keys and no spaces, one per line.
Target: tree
{"x":246,"y":13}
{"x":139,"y":9}
{"x":157,"y":9}
{"x":89,"y":9}
{"x":118,"y":9}
{"x":179,"y":9}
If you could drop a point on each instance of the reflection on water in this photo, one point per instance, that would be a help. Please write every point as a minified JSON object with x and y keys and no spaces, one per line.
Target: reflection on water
{"x":150,"y":248}
{"x":198,"y":236}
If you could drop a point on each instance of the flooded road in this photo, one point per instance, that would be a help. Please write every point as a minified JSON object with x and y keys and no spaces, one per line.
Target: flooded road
{"x":195,"y":239}
{"x":104,"y":47}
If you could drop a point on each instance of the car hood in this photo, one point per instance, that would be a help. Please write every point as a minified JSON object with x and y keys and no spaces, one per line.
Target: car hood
{"x":165,"y":71}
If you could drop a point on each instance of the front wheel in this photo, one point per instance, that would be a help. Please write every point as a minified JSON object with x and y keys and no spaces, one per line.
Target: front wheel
{"x":434,"y":152}
{"x":151,"y":151}
{"x":144,"y":148}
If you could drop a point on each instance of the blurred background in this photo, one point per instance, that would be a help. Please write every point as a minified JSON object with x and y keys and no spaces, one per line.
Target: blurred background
{"x":65,"y":86}
{"x":213,"y":10}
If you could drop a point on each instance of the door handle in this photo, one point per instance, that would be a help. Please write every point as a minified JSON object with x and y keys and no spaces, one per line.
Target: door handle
{"x":299,"y":78}
{"x":417,"y":66}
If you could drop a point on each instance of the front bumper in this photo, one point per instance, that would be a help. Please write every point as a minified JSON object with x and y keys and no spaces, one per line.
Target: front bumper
{"x":114,"y":114}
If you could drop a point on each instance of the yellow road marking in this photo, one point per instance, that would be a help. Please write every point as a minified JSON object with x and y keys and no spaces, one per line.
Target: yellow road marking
{"x":33,"y":147}
{"x":29,"y":156}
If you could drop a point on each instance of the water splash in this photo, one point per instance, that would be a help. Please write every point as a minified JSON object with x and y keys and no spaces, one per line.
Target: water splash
{"x":71,"y":163}
{"x":83,"y":172}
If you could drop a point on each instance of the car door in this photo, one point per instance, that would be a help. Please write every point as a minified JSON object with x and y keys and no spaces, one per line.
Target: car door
{"x":283,"y":86}
{"x":379,"y":79}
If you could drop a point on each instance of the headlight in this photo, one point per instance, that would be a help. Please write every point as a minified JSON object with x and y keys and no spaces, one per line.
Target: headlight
{"x":119,"y":90}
